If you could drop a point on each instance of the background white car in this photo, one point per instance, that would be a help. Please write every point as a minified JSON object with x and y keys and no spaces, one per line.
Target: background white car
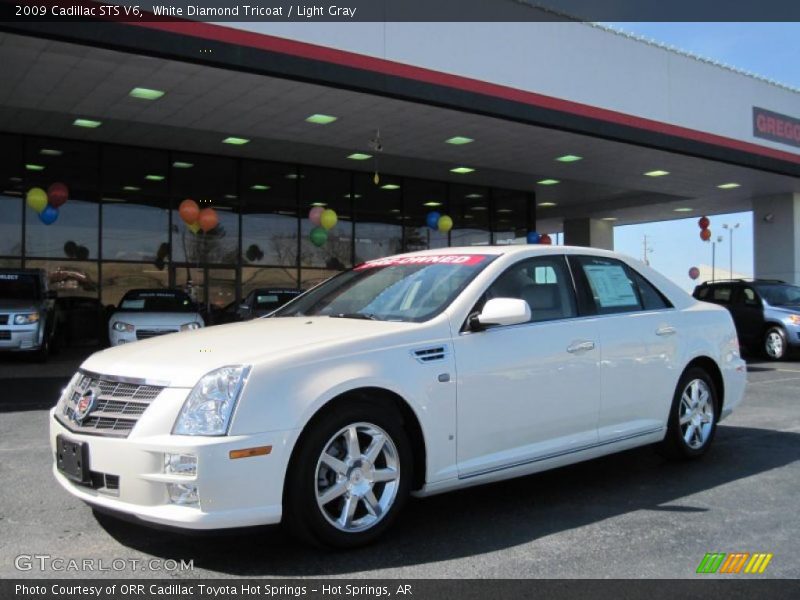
{"x":144,"y":314}
{"x":417,"y":373}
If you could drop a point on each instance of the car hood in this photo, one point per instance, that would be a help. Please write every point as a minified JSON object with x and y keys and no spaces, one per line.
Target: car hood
{"x":20,"y":305}
{"x":788,"y":309}
{"x":182,"y":358}
{"x":155,"y":319}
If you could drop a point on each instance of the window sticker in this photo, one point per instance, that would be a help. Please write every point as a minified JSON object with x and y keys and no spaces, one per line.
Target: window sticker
{"x":135,"y":304}
{"x":611,"y":286}
{"x":432,"y":259}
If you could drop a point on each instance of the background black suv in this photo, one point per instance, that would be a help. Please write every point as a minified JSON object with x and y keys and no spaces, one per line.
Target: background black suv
{"x":766,"y":312}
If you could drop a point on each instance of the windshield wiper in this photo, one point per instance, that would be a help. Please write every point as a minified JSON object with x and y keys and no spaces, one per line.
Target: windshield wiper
{"x":365,"y":316}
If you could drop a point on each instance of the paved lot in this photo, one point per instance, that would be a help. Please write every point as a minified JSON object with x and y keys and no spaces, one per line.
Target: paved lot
{"x":629,"y":515}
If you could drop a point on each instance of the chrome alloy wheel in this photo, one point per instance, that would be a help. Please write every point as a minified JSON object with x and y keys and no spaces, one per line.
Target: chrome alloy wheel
{"x":773,"y":344}
{"x":696,"y":416}
{"x":357,"y":477}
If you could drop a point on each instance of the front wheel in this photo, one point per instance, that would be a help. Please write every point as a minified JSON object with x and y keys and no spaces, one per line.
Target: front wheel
{"x":775,"y":343}
{"x":350,"y":477}
{"x":693,"y":417}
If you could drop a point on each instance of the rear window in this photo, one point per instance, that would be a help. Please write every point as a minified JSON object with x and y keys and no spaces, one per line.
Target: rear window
{"x":19,"y":286}
{"x":157,"y":301}
{"x":272,"y":299}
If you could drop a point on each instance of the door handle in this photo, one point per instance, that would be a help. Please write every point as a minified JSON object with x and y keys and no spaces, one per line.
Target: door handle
{"x":666,"y":330}
{"x":580,"y":347}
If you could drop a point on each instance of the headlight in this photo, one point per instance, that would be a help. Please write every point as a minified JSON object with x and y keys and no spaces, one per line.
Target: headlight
{"x":794,"y":319}
{"x":26,"y":319}
{"x":189,"y":326}
{"x":120,"y":326}
{"x":208,"y":409}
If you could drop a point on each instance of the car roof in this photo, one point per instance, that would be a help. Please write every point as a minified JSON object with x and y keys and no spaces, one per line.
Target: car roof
{"x":511,"y":249}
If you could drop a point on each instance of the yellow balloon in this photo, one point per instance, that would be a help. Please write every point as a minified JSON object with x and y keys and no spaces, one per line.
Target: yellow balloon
{"x":445,"y":223}
{"x":37,"y":199}
{"x":328,"y":219}
{"x":193,"y":227}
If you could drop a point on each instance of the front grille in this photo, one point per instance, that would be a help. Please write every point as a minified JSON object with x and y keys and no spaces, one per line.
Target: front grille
{"x":5,"y":334}
{"x":143,"y":334}
{"x":118,"y":405}
{"x":3,"y":319}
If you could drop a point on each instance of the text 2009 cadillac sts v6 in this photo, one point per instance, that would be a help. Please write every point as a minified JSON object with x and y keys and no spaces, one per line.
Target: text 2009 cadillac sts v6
{"x":413,"y":374}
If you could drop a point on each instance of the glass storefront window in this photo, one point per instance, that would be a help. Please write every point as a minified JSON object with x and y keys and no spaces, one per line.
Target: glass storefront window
{"x":211,"y":182}
{"x":74,"y":233}
{"x":11,"y":195}
{"x":378,"y":219}
{"x":69,"y":278}
{"x":469,"y":209}
{"x":420,"y":198}
{"x":269,"y":214}
{"x":311,"y":277}
{"x":510,"y":215}
{"x":135,"y":205}
{"x":118,"y":278}
{"x":330,"y":189}
{"x":254,"y":278}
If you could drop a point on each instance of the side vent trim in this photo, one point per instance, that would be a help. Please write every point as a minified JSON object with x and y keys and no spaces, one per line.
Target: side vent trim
{"x":429,"y":355}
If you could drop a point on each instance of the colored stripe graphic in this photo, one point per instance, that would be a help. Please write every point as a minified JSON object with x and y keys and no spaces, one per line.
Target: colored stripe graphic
{"x":734,"y":562}
{"x":758,"y":563}
{"x":711,"y":562}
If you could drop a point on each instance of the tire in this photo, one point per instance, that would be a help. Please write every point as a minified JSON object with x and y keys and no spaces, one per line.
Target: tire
{"x":775,"y":346}
{"x":326,"y":476}
{"x":695,"y":407}
{"x":43,"y":353}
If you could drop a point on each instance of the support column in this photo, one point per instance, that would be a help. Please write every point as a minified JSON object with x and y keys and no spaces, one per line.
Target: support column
{"x":593,"y":233}
{"x":776,"y":237}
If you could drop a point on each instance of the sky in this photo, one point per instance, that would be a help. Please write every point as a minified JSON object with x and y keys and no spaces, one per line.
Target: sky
{"x":771,"y":50}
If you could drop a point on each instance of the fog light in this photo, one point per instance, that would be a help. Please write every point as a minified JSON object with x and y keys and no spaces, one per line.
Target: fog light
{"x":184,"y":494}
{"x":180,"y":464}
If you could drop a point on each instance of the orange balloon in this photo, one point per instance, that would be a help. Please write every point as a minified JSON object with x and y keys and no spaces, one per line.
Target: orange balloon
{"x":705,"y":234}
{"x":208,"y":219}
{"x":189,"y":211}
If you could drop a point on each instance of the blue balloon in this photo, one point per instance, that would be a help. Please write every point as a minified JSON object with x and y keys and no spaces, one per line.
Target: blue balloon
{"x":533,"y":237}
{"x":432,"y":219}
{"x":49,"y":215}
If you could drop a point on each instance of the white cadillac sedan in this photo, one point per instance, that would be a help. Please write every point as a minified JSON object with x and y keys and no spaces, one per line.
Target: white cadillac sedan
{"x":143,"y":314}
{"x":414,"y":374}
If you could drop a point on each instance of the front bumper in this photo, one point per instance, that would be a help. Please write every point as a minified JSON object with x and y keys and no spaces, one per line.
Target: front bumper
{"x":232,"y":492}
{"x":20,"y":338}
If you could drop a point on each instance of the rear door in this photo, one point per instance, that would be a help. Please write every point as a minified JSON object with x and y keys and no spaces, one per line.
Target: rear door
{"x":639,"y":333}
{"x":748,"y":314}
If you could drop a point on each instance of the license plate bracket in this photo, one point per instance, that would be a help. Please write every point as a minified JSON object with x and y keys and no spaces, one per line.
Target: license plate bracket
{"x":72,"y":459}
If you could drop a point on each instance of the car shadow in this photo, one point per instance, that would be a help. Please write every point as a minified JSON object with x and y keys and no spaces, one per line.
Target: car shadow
{"x":491,"y":517}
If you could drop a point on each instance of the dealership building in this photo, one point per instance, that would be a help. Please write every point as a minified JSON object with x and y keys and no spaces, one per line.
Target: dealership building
{"x":507,"y":128}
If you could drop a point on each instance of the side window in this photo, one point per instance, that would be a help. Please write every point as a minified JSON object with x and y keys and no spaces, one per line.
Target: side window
{"x":652,"y":299}
{"x":721,"y":294}
{"x":612,"y":288}
{"x":749,"y":298}
{"x":543,"y":282}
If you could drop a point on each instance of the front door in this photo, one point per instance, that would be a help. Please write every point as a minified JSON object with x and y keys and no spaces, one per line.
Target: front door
{"x":531,"y":391}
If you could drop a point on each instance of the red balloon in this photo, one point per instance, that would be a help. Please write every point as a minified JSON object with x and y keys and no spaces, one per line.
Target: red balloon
{"x":703,"y":222}
{"x":545,"y":239}
{"x":705,"y":234}
{"x":189,"y":211}
{"x":57,"y":194}
{"x":208,"y":219}
{"x":694,"y":273}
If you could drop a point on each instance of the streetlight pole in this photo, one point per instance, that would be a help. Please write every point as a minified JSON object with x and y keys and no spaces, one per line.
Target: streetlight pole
{"x":731,"y":228}
{"x":714,"y":258}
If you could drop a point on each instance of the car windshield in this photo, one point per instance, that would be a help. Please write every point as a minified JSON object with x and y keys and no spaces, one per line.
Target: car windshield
{"x":404,"y":288}
{"x":157,"y":301}
{"x":780,"y":294}
{"x":19,"y":286}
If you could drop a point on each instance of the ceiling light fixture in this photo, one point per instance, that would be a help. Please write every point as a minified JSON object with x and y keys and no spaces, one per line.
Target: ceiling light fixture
{"x":145,"y":93}
{"x":459,"y":140}
{"x":432,"y":204}
{"x":729,"y":186}
{"x":657,"y":173}
{"x":462,"y":170}
{"x":568,"y":158}
{"x":178,"y":164}
{"x":548,"y":182}
{"x":684,"y":209}
{"x":390,"y":186}
{"x":235,"y":141}
{"x":32,"y":167}
{"x":154,"y":177}
{"x":359,"y":156}
{"x":320,"y":119}
{"x":50,"y":152}
{"x":87,"y":123}
{"x":259,"y":187}
{"x":546,"y":204}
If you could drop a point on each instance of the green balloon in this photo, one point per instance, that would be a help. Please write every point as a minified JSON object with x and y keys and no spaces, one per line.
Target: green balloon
{"x":318,"y":236}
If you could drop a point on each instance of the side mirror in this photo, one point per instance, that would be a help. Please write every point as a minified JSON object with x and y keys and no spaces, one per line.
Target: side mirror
{"x":503,"y":311}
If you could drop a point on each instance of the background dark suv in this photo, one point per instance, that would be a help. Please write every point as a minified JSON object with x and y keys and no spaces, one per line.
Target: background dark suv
{"x":766,"y":312}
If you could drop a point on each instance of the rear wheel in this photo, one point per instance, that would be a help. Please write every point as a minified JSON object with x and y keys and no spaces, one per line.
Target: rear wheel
{"x":693,"y":416}
{"x":350,"y":477}
{"x":775,"y":345}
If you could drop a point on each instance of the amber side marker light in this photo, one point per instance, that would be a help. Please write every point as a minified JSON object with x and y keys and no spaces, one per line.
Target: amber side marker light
{"x":247,"y":452}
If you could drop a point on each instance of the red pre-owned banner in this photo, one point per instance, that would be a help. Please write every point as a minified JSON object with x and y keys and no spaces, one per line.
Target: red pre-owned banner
{"x":776,"y":127}
{"x":428,"y":259}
